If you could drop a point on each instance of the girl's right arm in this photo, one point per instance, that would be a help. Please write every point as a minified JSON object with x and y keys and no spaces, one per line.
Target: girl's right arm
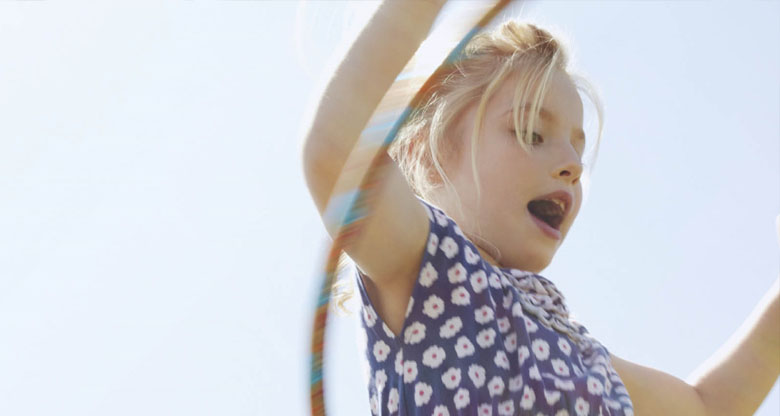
{"x":395,"y":234}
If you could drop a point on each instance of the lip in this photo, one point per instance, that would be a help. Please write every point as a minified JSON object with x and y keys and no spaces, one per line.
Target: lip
{"x":565,"y":197}
{"x":546,"y":229}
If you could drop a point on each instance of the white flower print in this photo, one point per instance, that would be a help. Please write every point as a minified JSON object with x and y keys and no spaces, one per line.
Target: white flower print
{"x":422,"y":393}
{"x":564,"y":346}
{"x":460,"y":296}
{"x":522,"y":354}
{"x":600,"y":369}
{"x":621,"y":390}
{"x":471,"y":256}
{"x":530,"y":325}
{"x":428,"y":211}
{"x":483,"y":314}
{"x":516,"y":383}
{"x":381,"y":350}
{"x":567,"y":385}
{"x":577,"y":370}
{"x":520,"y":273}
{"x":433,"y":356}
{"x":433,"y":306}
{"x":562,"y":412}
{"x":517,"y":309}
{"x":613,"y":404}
{"x":505,"y":280}
{"x":441,"y":410}
{"x":506,"y":408}
{"x":451,"y":378}
{"x":478,"y":281}
{"x":541,"y":348}
{"x":527,"y":401}
{"x":461,"y":398}
{"x":458,"y":231}
{"x":486,"y":337}
{"x":414,"y":333}
{"x":477,"y":375}
{"x":508,"y":298}
{"x":526,"y":301}
{"x":410,"y":371}
{"x":560,"y":367}
{"x":449,"y":247}
{"x":552,"y":396}
{"x":369,"y":315}
{"x":533,"y":372}
{"x":392,"y":400}
{"x":496,"y":386}
{"x":380,"y":378}
{"x":501,"y":360}
{"x":581,"y":406}
{"x":428,"y":275}
{"x":628,"y":411}
{"x":457,"y":273}
{"x":388,"y":331}
{"x":399,"y":362}
{"x":440,"y":218}
{"x":409,"y":307}
{"x":503,"y":324}
{"x":608,"y":386}
{"x":594,"y":386}
{"x":450,"y":327}
{"x":544,"y":316}
{"x":433,"y":243}
{"x":373,"y":403}
{"x":485,"y":410}
{"x":494,"y":281}
{"x":510,"y":342}
{"x":613,"y":375}
{"x":464,"y":347}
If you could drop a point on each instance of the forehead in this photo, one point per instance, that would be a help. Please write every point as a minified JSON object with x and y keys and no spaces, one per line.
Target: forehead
{"x":561,"y":105}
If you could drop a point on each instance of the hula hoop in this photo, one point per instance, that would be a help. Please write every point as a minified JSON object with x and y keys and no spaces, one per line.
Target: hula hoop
{"x":361,"y":201}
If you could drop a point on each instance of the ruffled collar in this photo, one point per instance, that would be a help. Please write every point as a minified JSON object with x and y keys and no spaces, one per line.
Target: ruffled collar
{"x":541,"y":298}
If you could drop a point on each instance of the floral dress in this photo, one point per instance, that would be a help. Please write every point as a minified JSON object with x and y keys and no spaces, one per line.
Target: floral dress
{"x":482,"y":340}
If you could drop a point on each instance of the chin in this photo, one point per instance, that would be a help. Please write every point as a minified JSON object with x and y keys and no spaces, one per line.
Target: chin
{"x":539,"y":262}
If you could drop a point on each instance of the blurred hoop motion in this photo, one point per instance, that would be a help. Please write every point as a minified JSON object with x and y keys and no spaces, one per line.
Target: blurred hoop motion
{"x":357,"y":202}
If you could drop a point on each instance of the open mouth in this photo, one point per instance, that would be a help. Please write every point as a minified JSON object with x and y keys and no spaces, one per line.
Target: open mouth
{"x":548,"y":211}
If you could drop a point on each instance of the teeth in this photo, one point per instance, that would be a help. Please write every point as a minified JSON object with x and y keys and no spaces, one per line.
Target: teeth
{"x":560,"y":204}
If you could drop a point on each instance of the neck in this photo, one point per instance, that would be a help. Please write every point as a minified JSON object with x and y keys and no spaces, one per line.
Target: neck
{"x":486,"y":249}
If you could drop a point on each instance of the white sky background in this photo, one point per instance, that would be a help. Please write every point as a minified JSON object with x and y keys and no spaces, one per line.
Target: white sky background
{"x":160,"y":253}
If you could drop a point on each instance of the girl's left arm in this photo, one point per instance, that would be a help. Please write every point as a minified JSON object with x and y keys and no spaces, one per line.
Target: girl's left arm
{"x":733,"y":382}
{"x":738,"y":377}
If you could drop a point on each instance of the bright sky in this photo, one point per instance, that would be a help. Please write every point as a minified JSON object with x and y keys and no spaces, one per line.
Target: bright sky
{"x":160,"y":253}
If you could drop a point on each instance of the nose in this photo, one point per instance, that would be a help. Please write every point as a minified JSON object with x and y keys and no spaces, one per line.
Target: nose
{"x":569,"y":168}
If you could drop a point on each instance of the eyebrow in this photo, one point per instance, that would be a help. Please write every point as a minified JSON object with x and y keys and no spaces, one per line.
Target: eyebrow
{"x":547,"y":115}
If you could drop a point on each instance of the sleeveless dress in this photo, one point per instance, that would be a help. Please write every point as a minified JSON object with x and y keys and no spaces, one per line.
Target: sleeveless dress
{"x":482,"y":340}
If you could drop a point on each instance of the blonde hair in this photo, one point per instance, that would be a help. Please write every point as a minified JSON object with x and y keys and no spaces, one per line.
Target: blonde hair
{"x":427,"y":137}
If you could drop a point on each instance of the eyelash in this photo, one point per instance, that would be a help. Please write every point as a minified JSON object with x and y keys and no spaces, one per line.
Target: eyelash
{"x":535,"y":134}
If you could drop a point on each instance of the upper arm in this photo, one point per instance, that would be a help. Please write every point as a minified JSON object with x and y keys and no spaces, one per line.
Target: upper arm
{"x":394,"y":234}
{"x":654,"y":392}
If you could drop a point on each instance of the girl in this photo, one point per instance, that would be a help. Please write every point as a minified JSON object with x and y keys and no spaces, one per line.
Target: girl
{"x":487,"y":185}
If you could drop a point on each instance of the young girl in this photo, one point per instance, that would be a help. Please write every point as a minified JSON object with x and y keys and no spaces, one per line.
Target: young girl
{"x":486,"y":186}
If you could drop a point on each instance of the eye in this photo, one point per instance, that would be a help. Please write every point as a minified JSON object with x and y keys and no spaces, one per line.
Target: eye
{"x":534,"y":137}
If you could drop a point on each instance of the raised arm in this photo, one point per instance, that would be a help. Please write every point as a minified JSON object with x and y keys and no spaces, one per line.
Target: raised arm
{"x":390,"y":245}
{"x":367,"y":71}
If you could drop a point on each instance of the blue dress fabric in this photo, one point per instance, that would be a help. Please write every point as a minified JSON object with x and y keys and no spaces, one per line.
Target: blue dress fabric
{"x":482,"y":340}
